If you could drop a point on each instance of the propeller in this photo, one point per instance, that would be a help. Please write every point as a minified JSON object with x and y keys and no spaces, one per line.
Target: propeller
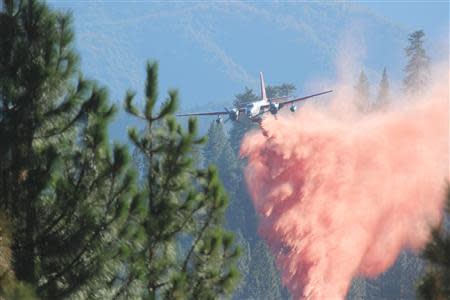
{"x":228,"y":111}
{"x":233,"y":113}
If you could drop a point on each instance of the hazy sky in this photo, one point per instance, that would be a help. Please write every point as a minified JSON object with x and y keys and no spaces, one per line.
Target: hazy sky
{"x":211,"y":50}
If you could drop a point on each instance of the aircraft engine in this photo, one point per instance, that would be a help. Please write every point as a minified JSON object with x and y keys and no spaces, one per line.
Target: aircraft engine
{"x":234,"y":114}
{"x":293,"y":108}
{"x":274,"y":108}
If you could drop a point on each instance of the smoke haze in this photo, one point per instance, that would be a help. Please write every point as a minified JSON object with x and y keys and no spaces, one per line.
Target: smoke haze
{"x":341,"y":194}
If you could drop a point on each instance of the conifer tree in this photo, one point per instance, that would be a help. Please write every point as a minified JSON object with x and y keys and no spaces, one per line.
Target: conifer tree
{"x":434,"y":284}
{"x":63,"y":188}
{"x":218,"y":151}
{"x":185,"y":253}
{"x":362,"y":93}
{"x":10,"y":287}
{"x":358,"y":289}
{"x":228,"y":169}
{"x":383,"y":91}
{"x":265,"y":281}
{"x":243,"y":266}
{"x":417,"y":70}
{"x":286,"y":89}
{"x":213,"y":147}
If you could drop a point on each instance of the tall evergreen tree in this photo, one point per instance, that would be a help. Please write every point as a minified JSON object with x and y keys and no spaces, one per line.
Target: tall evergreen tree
{"x":218,"y":151}
{"x":286,"y":89}
{"x":411,"y":266}
{"x":64,"y":190}
{"x":265,"y":282}
{"x":213,"y":147}
{"x":435,"y":283}
{"x":184,"y":253}
{"x":228,"y":166}
{"x":362,"y":93}
{"x":10,"y":287}
{"x":417,"y":70}
{"x":358,"y":289}
{"x":243,"y":266}
{"x":383,"y":91}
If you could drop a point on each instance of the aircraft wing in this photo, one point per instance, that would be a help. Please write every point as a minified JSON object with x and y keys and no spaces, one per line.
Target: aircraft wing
{"x":282,"y":103}
{"x":278,"y":99}
{"x":212,"y":113}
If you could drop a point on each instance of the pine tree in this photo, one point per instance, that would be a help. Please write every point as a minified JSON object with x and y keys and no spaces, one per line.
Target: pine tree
{"x":265,"y":282}
{"x":185,"y":253}
{"x":286,"y":89}
{"x":417,"y":70}
{"x":213,"y":148}
{"x":228,"y":169}
{"x":218,"y":151}
{"x":362,"y":93}
{"x":274,"y":91}
{"x":358,"y":289}
{"x":434,"y":284}
{"x":383,"y":92}
{"x":243,"y":266}
{"x":410,"y":269}
{"x":63,"y":188}
{"x":10,"y":287}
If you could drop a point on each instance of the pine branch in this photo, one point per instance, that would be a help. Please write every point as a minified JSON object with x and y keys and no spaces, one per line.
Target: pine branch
{"x":199,"y":237}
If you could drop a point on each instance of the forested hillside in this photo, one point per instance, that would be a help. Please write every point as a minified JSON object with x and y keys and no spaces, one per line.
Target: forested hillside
{"x":166,"y":213}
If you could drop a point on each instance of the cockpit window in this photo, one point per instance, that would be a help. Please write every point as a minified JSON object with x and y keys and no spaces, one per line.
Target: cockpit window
{"x":249,"y":109}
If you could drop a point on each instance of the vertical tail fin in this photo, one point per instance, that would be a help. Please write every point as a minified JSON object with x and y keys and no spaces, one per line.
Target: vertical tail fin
{"x":263,"y":87}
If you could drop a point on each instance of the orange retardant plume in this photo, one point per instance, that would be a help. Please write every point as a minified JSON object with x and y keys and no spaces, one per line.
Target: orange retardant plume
{"x":341,"y":194}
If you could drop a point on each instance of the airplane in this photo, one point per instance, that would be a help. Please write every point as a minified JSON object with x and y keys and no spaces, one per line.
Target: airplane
{"x":255,"y":110}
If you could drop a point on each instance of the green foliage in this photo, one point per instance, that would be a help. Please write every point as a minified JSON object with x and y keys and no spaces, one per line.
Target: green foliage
{"x":358,"y":289}
{"x":184,"y":252}
{"x":434,"y":284}
{"x":65,"y":191}
{"x":6,"y":272}
{"x":10,"y":287}
{"x":417,"y":70}
{"x":218,"y":151}
{"x":217,"y":139}
{"x":286,"y":89}
{"x":264,"y":282}
{"x":243,"y":265}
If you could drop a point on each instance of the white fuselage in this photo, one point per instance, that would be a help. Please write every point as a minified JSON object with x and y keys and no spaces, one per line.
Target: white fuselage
{"x":253,"y":109}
